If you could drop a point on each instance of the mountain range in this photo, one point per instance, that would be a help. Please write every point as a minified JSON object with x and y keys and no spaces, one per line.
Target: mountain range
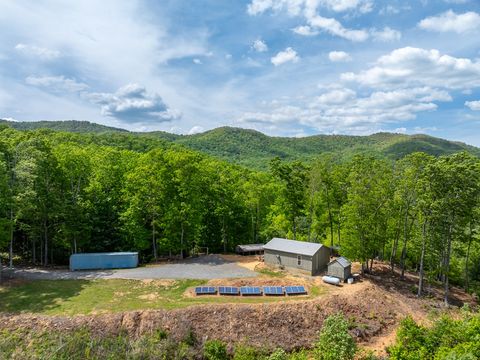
{"x":255,"y":149}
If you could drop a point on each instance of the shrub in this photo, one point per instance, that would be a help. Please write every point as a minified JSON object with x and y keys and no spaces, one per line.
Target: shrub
{"x":334,"y":342}
{"x":243,"y":352}
{"x":215,"y":350}
{"x":278,"y":354}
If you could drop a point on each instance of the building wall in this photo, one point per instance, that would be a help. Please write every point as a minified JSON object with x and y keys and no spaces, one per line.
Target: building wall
{"x":337,"y":270}
{"x":288,"y":260}
{"x":322,"y":258}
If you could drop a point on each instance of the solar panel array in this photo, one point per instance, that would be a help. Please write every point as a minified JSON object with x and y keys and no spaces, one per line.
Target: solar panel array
{"x":251,"y":290}
{"x":228,"y":290}
{"x":273,"y":290}
{"x":295,"y":290}
{"x":248,"y":290}
{"x":205,"y":290}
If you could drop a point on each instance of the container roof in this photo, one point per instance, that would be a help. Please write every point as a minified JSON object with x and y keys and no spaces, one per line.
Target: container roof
{"x":106,"y":254}
{"x":342,"y":261}
{"x":293,"y":246}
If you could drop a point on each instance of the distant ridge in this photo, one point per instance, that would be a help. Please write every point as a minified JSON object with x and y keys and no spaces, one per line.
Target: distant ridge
{"x":255,"y":149}
{"x":76,"y":126}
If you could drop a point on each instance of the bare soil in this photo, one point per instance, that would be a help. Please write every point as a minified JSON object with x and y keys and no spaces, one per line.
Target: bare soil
{"x":374,"y":307}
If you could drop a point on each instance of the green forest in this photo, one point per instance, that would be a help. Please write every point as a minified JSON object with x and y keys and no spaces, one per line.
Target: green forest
{"x":65,"y":192}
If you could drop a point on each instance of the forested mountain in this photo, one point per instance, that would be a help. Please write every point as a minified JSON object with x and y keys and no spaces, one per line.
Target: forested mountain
{"x":254,"y":149}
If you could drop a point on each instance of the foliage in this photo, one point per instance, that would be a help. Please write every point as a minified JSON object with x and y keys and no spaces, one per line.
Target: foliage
{"x":446,"y":339}
{"x":215,"y":350}
{"x":334,"y":341}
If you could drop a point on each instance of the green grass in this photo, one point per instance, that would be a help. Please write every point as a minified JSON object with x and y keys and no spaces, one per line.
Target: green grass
{"x":271,"y":273}
{"x":70,"y":297}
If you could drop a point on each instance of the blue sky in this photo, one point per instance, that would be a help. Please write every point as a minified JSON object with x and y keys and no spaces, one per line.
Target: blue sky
{"x":283,"y":67}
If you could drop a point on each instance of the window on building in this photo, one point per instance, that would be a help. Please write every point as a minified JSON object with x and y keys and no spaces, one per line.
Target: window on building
{"x":299,"y":260}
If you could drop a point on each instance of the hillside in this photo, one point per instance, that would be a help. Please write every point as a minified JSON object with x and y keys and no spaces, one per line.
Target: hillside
{"x":254,"y":149}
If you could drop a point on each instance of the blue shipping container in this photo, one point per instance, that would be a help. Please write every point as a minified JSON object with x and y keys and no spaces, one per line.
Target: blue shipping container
{"x":114,"y":260}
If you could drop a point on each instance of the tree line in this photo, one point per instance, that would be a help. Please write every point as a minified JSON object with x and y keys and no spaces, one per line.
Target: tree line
{"x":64,"y":193}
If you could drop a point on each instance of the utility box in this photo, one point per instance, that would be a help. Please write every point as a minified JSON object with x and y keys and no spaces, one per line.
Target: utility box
{"x":113,"y":260}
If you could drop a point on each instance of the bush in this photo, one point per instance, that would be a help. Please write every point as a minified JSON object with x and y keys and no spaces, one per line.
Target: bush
{"x":215,"y":350}
{"x":335,"y":343}
{"x":243,"y":352}
{"x":278,"y":354}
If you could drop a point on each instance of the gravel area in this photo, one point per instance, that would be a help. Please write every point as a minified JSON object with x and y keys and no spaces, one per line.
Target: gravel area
{"x":205,"y":267}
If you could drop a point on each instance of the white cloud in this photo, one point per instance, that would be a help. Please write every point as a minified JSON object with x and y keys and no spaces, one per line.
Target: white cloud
{"x":409,"y":66}
{"x":342,"y":110}
{"x":56,"y":83}
{"x":132,"y":104}
{"x":339,"y":56}
{"x":473,"y":105}
{"x":386,"y":35}
{"x":259,"y":45}
{"x":288,"y":55}
{"x":295,"y":7}
{"x":195,"y":130}
{"x":334,"y":27}
{"x":451,"y":21}
{"x":309,"y":10}
{"x":197,"y":61}
{"x":305,"y":30}
{"x":36,"y":51}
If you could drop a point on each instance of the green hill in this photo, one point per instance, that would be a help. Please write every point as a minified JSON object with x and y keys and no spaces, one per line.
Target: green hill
{"x":254,"y":149}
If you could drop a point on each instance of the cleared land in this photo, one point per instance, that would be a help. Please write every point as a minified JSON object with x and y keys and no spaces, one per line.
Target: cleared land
{"x":374,"y":306}
{"x":205,"y":267}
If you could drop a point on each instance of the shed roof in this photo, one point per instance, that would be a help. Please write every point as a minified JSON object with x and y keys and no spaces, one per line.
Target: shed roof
{"x":293,"y":246}
{"x":344,"y":262}
{"x":250,"y":247}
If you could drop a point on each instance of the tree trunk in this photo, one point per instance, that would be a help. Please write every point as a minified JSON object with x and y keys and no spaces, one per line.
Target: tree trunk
{"x":181,"y":240}
{"x":45,"y":234}
{"x":447,"y":263}
{"x":467,"y":285}
{"x":405,"y":239}
{"x":10,"y":253}
{"x":154,"y":241}
{"x":394,"y":249}
{"x":422,"y":258}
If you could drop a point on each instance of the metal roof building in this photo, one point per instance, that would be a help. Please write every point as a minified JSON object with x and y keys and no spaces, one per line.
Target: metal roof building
{"x":340,"y":268}
{"x":249,"y":249}
{"x":302,"y":255}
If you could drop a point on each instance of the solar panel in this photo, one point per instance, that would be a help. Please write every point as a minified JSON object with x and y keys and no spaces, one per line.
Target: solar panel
{"x":273,"y":290}
{"x":248,"y":290}
{"x":228,"y":290}
{"x":295,"y":290}
{"x":205,"y":290}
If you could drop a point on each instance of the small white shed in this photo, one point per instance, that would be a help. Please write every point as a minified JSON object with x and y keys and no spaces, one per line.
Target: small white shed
{"x":340,"y":268}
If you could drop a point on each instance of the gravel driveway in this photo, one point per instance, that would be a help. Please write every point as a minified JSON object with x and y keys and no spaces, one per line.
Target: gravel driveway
{"x":205,"y":267}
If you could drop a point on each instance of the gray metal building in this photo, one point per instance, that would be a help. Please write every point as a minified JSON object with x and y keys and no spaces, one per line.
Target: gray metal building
{"x":302,"y":255}
{"x":340,"y":268}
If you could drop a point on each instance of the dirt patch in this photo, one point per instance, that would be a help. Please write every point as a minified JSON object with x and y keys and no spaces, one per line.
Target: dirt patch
{"x":249,"y":262}
{"x":149,"y":297}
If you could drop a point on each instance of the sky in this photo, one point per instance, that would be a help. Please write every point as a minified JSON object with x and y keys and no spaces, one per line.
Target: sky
{"x":283,"y":67}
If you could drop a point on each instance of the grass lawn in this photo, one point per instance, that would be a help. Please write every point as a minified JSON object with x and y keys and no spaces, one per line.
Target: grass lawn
{"x":69,"y":297}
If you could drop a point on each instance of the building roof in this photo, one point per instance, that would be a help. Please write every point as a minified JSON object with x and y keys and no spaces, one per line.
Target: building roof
{"x":293,"y":246}
{"x":250,"y":247}
{"x":342,"y":261}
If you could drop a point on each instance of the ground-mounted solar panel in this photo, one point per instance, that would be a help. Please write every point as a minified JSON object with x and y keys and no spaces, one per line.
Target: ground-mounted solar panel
{"x":295,"y":290}
{"x":205,"y":290}
{"x":228,"y":290}
{"x":273,"y":290}
{"x":250,"y":290}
